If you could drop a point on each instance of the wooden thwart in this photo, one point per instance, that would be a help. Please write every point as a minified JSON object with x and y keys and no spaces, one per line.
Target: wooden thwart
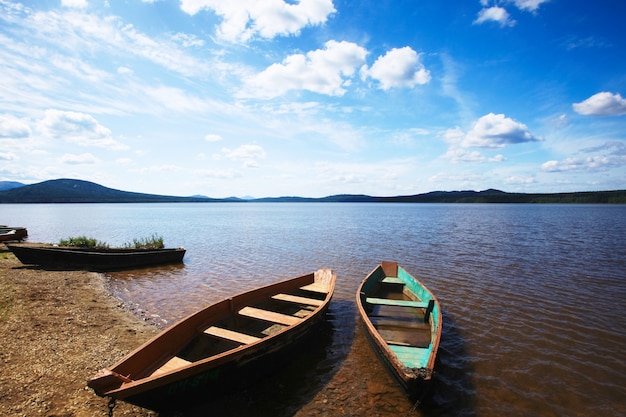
{"x":392,"y":280}
{"x":174,"y":363}
{"x":231,"y":335}
{"x":298,"y":300}
{"x":316,"y":287}
{"x":270,"y":316}
{"x":399,"y":303}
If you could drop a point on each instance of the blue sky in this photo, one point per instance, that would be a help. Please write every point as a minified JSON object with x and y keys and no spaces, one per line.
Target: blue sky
{"x":315,"y":97}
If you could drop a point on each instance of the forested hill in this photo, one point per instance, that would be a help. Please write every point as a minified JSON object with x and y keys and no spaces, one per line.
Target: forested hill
{"x":78,"y":191}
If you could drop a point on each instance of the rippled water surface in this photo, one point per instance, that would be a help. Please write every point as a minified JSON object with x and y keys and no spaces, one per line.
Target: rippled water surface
{"x":534,"y":296}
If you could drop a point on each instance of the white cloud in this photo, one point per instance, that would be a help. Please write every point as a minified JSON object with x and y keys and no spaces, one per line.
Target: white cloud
{"x":79,"y":128}
{"x":321,"y":71}
{"x":529,"y":5}
{"x":602,"y":104}
{"x":457,"y":155}
{"x":212,"y":138}
{"x":223,"y":174}
{"x":176,"y":99}
{"x":76,"y":30}
{"x":513,"y":180}
{"x":497,"y":131}
{"x":187,"y":40}
{"x":242,"y":20}
{"x":82,"y":159}
{"x":495,"y":14}
{"x":168,"y":168}
{"x":77,"y":4}
{"x":124,"y":71}
{"x":12,"y":127}
{"x":249,"y":154}
{"x":611,"y":154}
{"x":400,"y":67}
{"x":8,"y":156}
{"x":582,"y":164}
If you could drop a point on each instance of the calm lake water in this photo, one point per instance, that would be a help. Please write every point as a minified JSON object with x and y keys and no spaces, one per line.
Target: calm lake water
{"x":534,"y":296}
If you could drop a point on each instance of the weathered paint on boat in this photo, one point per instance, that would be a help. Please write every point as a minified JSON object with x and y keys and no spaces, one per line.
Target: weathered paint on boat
{"x":402,"y":319}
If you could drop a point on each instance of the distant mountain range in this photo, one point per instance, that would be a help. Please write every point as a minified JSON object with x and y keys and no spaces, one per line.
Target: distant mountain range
{"x":78,"y":191}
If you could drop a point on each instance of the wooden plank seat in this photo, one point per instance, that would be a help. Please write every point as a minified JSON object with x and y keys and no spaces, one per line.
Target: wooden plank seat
{"x":271,"y":316}
{"x":398,"y":303}
{"x":298,"y":300}
{"x":238,"y":337}
{"x":316,"y":287}
{"x":174,"y":363}
{"x":392,"y":280}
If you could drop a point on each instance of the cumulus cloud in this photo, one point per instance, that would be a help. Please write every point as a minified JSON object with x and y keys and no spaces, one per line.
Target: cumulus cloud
{"x":497,"y":13}
{"x":321,"y":71}
{"x":529,"y":5}
{"x":80,"y":128}
{"x":243,"y":20}
{"x":12,"y":127}
{"x":497,"y":131}
{"x":602,"y":104}
{"x":494,"y":14}
{"x":400,"y":67}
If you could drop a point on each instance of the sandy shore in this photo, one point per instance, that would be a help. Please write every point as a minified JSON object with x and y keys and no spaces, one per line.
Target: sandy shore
{"x":58,"y":328}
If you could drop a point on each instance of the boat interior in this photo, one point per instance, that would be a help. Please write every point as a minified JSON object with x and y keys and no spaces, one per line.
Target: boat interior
{"x":249,"y":324}
{"x":399,"y":317}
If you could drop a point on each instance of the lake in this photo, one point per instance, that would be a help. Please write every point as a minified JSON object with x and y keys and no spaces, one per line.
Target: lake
{"x":533,"y":296}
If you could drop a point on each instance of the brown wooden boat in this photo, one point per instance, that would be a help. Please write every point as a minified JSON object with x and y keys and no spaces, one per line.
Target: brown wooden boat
{"x":8,"y":234}
{"x":218,"y":346}
{"x":402,"y":319}
{"x":95,"y":259}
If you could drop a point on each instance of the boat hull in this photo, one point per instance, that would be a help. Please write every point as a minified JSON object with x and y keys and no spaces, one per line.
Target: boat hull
{"x":8,"y":234}
{"x":205,"y":365}
{"x":206,"y":383}
{"x":402,"y":321}
{"x":94,"y":259}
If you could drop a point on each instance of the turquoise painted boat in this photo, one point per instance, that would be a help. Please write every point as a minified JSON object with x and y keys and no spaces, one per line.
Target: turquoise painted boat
{"x":402,"y":319}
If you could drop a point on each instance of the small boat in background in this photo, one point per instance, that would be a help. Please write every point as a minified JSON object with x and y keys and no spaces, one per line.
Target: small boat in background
{"x":402,"y":320}
{"x":93,"y":259}
{"x":8,"y":234}
{"x":219,"y":347}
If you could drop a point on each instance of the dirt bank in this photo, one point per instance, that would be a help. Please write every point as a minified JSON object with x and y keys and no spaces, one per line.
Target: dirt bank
{"x":57,"y":329}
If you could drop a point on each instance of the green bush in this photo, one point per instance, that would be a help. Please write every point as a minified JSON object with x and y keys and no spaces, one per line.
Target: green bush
{"x":83,"y":242}
{"x":153,"y":242}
